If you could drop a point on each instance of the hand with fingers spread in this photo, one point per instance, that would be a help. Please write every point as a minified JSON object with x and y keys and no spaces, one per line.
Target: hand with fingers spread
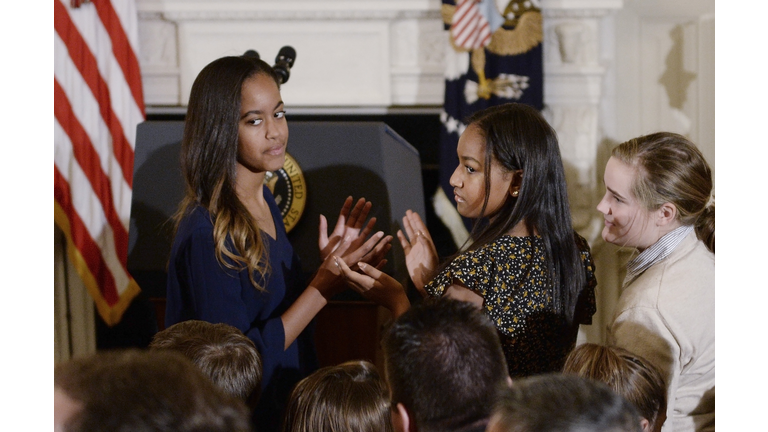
{"x":420,"y":251}
{"x":376,"y":256}
{"x":329,"y":280}
{"x":376,"y":286}
{"x":348,"y":225}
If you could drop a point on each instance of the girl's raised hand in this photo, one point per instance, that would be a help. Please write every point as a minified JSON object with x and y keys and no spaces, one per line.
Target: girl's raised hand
{"x":376,"y":286}
{"x":420,"y":251}
{"x":328,"y":279}
{"x":348,"y":225}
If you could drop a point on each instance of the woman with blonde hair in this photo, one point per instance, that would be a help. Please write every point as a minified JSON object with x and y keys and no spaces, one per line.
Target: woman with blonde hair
{"x":659,"y":201}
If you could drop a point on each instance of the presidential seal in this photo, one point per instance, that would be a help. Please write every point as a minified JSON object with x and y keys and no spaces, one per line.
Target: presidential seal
{"x":290,"y":190}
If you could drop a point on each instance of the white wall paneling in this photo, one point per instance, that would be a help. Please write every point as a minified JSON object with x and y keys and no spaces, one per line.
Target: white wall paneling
{"x":665,"y":64}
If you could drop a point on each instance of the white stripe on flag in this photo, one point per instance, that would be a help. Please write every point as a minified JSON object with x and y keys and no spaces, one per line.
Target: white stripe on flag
{"x":122,"y":102}
{"x":86,"y":109}
{"x":97,"y":38}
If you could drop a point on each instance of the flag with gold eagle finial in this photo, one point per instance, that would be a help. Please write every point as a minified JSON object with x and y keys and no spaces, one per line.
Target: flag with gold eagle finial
{"x":98,"y":102}
{"x":494,"y":57}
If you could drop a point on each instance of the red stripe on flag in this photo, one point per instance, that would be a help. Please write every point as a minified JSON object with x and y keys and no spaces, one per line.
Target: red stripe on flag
{"x":87,"y":65}
{"x":464,"y":11}
{"x":122,"y":49}
{"x":483,"y":34}
{"x":461,"y":12}
{"x":469,"y":28}
{"x":466,"y":24}
{"x":83,"y":242}
{"x":88,"y":159}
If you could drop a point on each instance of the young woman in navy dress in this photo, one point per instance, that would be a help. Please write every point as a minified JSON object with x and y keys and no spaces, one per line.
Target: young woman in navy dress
{"x":231,"y":260}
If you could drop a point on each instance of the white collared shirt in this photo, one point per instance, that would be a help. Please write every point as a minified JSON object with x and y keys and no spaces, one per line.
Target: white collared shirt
{"x":656,"y":252}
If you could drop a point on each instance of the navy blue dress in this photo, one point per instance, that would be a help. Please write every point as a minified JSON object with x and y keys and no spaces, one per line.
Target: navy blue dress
{"x":200,"y":288}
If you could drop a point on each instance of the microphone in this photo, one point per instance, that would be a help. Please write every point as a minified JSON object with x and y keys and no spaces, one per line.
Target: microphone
{"x":284,"y":62}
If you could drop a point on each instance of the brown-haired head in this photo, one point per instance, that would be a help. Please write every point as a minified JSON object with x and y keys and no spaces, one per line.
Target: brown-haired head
{"x":556,"y":402}
{"x":350,"y":396}
{"x":670,"y":169}
{"x":221,"y":351}
{"x":627,"y":374}
{"x":148,"y":390}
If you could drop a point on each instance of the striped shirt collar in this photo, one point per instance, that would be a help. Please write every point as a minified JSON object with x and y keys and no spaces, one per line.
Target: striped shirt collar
{"x":656,"y":253}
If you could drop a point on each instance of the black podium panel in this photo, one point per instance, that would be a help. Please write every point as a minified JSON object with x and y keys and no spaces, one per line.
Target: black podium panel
{"x":338,"y":159}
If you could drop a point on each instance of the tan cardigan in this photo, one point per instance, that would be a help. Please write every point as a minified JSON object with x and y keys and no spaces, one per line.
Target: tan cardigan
{"x":667,"y":316}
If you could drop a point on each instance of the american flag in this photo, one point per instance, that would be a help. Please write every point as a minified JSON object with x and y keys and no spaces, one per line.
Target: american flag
{"x":470,"y":29}
{"x":98,"y":102}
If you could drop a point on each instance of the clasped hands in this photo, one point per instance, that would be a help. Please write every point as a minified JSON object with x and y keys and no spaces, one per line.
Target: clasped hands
{"x":349,"y":241}
{"x":367,"y":278}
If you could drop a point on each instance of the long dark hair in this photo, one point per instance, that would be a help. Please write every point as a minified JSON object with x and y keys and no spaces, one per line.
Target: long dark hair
{"x":209,"y":157}
{"x":519,"y":138}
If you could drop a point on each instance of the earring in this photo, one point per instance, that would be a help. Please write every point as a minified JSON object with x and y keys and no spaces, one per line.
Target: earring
{"x":515,"y":193}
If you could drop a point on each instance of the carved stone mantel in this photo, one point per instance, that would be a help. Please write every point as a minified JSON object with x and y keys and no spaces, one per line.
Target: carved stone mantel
{"x":573,"y":82}
{"x":353,"y":53}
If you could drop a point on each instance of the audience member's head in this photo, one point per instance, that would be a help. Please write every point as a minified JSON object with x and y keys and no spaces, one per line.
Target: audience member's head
{"x":628,"y":375}
{"x":562,"y":403}
{"x":221,"y":351}
{"x":666,"y":168}
{"x":347,"y":397}
{"x":141,"y":390}
{"x":443,"y":363}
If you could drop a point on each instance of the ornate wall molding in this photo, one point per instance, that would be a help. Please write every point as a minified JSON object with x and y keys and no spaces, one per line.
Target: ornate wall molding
{"x":349,"y":53}
{"x":313,"y":15}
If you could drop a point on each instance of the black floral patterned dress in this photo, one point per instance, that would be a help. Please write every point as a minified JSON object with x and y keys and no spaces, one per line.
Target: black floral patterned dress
{"x":510,"y":275}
